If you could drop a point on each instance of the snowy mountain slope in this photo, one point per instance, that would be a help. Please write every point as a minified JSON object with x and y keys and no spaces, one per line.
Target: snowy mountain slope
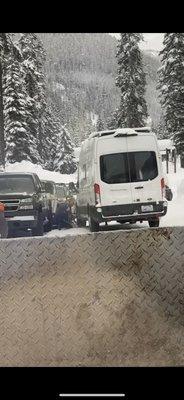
{"x":85,"y":65}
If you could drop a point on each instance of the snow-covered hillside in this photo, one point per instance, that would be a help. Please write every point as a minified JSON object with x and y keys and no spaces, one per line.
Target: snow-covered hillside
{"x":26,"y":166}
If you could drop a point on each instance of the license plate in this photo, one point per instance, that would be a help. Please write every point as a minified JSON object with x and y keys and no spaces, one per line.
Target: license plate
{"x":147,"y":208}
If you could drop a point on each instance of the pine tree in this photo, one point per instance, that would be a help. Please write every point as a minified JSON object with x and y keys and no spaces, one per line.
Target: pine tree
{"x":159,"y":128}
{"x":19,"y":144}
{"x":171,"y":85}
{"x":65,"y":160}
{"x":5,"y":44}
{"x":100,"y":125}
{"x":132,"y":111}
{"x":51,"y":128}
{"x":33,"y":63}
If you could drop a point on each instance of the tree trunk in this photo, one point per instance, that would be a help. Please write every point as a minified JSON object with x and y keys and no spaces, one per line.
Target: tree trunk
{"x":2,"y":142}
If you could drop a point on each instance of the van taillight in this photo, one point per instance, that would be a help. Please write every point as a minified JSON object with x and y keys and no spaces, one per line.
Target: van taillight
{"x":97,"y":193}
{"x":162,"y":182}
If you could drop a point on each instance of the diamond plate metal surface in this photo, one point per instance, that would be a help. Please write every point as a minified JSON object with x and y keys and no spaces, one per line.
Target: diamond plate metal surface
{"x":108,"y":298}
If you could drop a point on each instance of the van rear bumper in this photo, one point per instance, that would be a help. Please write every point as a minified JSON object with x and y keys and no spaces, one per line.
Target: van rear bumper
{"x":128,"y":212}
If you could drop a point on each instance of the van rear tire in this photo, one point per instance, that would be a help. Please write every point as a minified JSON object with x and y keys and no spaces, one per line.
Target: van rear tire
{"x":93,"y":225}
{"x":154,"y":223}
{"x":81,"y":223}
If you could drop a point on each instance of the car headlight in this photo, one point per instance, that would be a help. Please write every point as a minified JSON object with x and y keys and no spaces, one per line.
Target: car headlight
{"x":27,"y":200}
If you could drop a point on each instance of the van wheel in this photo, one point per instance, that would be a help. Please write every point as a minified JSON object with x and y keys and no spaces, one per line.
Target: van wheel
{"x":81,"y":223}
{"x":154,"y":223}
{"x":93,"y":225}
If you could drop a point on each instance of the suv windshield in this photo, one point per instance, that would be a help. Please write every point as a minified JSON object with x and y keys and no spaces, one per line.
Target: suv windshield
{"x":16,"y":184}
{"x":128,"y":167}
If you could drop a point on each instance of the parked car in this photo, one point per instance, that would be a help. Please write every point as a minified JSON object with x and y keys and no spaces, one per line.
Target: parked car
{"x":3,"y":223}
{"x":120,"y":178}
{"x":25,"y":203}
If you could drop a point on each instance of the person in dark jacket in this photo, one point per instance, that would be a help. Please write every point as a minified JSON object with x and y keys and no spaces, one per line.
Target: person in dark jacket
{"x":3,"y":223}
{"x":63,"y":216}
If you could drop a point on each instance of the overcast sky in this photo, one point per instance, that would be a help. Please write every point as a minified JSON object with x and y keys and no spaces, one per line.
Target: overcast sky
{"x":152,"y":41}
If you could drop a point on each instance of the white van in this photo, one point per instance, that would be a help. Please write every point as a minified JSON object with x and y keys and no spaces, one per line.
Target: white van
{"x":120,"y":178}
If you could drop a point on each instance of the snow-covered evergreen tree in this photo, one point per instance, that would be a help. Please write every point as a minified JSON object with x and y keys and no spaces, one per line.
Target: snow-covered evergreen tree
{"x":131,"y":80}
{"x":171,"y":85}
{"x":33,"y":64}
{"x":100,"y":124}
{"x":160,"y":128}
{"x":19,"y":144}
{"x":51,"y":128}
{"x":5,"y":44}
{"x":65,"y":160}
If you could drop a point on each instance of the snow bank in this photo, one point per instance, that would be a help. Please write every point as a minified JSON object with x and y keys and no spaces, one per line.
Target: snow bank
{"x":67,"y":232}
{"x":175,"y":213}
{"x":26,"y":166}
{"x":164,"y":144}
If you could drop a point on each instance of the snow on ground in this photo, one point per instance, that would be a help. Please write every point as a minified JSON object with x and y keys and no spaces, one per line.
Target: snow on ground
{"x":67,"y":232}
{"x":26,"y":166}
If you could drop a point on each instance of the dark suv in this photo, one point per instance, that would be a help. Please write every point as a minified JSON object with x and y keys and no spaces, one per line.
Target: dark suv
{"x":25,"y":204}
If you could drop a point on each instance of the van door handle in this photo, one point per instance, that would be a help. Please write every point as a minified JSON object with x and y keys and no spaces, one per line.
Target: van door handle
{"x":139,"y":187}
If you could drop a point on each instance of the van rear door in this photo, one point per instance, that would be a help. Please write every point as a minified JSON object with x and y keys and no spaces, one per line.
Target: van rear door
{"x":144,"y":169}
{"x":113,"y":171}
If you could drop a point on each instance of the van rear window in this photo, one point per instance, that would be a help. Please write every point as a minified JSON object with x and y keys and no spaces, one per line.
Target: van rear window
{"x":128,"y":167}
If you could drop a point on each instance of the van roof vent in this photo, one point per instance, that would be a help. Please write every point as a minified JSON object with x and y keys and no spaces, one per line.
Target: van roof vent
{"x":143,"y":129}
{"x":120,"y":132}
{"x":101,"y":133}
{"x":123,"y":132}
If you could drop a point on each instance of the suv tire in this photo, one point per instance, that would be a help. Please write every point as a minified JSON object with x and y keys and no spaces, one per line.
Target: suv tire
{"x":39,"y":229}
